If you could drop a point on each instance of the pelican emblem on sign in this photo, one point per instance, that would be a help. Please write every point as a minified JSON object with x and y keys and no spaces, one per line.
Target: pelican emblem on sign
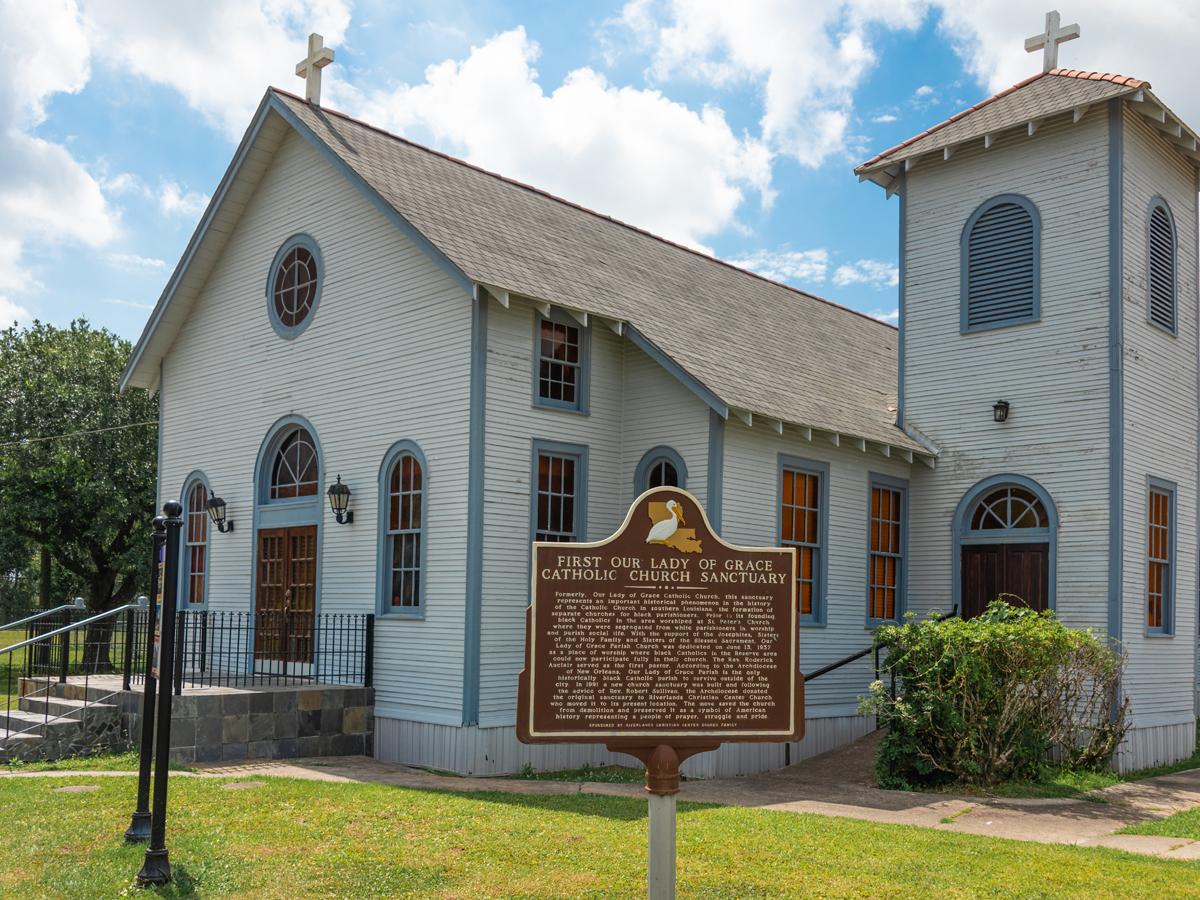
{"x":665,"y":519}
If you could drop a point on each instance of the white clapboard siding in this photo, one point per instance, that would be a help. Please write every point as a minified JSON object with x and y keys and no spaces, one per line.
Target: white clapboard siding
{"x":1054,"y":372}
{"x":634,"y":405}
{"x":1160,"y":427}
{"x":751,"y":518}
{"x":660,"y":411}
{"x":512,"y":422}
{"x":496,"y":751}
{"x":386,"y":357}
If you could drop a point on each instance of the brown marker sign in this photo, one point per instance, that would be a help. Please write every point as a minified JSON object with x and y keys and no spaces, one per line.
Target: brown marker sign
{"x":661,"y":636}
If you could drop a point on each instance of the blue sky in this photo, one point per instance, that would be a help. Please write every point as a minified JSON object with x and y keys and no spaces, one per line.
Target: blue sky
{"x":732,"y":128}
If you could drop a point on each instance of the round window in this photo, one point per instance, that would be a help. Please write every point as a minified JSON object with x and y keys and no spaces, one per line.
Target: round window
{"x":295,"y":285}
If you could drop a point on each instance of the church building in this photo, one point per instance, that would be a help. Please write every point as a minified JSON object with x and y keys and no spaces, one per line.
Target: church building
{"x":471,"y":364}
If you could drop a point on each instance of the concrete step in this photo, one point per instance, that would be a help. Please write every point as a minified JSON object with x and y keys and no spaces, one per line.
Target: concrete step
{"x":36,"y":723}
{"x":63,"y":706}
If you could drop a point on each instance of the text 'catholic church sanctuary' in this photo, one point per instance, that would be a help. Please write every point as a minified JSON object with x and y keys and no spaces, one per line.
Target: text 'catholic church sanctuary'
{"x":463,"y":364}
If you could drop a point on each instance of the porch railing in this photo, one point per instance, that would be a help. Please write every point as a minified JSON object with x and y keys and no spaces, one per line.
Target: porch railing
{"x":223,"y":648}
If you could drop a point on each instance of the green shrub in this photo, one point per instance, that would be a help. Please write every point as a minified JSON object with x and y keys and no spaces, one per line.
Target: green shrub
{"x":993,"y":698}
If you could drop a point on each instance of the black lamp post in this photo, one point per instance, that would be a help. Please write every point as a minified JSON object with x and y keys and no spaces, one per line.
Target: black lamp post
{"x":339,"y":502}
{"x":1000,"y":411}
{"x":216,"y":512}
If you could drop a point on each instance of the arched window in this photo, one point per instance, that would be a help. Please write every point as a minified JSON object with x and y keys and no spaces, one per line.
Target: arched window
{"x":294,"y":467}
{"x":660,"y":467}
{"x":1001,"y":264}
{"x":294,"y":285}
{"x":1009,"y":507}
{"x":195,"y":536}
{"x":403,"y":490}
{"x":1161,"y":265}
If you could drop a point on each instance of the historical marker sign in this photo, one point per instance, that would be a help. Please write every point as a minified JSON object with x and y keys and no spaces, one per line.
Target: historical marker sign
{"x":661,"y":635}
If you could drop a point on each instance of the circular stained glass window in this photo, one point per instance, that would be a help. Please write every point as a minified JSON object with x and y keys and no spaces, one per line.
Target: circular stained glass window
{"x":295,"y":287}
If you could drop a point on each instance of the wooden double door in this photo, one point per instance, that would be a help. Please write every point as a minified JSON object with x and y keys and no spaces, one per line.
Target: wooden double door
{"x":286,"y":596}
{"x":1019,"y":570}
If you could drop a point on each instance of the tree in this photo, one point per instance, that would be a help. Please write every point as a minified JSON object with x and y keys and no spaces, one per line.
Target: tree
{"x":77,"y":459}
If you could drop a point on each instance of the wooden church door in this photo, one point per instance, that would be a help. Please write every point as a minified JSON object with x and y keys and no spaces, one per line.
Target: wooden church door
{"x":285,"y":604}
{"x":989,"y":570}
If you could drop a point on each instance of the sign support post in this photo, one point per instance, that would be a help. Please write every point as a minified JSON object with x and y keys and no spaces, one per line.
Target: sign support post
{"x":662,"y":641}
{"x":156,"y":869}
{"x":662,"y":847}
{"x":139,"y":824}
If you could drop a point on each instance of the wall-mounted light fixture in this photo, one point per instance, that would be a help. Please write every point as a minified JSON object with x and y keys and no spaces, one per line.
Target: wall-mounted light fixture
{"x":339,"y":502}
{"x":1000,"y":411}
{"x":216,"y":512}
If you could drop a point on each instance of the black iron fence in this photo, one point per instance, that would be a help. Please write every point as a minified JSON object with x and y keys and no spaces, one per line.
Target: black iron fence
{"x":222,"y":648}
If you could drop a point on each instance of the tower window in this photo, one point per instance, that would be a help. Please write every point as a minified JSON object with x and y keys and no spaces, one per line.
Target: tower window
{"x":1001,"y":264}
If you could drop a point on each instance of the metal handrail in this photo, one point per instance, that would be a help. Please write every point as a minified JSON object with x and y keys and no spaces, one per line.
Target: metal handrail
{"x":846,"y":660}
{"x":77,"y":603}
{"x":72,"y":626}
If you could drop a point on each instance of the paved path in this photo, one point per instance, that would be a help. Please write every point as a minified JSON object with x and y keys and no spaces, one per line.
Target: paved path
{"x":835,"y":784}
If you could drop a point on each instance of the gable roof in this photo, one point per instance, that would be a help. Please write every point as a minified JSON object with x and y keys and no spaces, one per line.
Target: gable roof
{"x":744,"y":343}
{"x":1037,"y":97}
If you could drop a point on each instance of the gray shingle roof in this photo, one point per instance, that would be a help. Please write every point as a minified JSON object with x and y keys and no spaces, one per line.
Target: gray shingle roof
{"x":759,"y":346}
{"x":1044,"y":94}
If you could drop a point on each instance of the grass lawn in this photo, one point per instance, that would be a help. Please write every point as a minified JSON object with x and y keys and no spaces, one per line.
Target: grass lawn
{"x":290,"y":838}
{"x":1184,"y":824}
{"x":101,"y":762}
{"x":607,"y":774}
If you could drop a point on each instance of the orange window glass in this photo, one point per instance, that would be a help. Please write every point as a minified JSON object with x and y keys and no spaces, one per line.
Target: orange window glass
{"x":1158,"y":569}
{"x":196,"y":542}
{"x":800,"y":512}
{"x":886,"y":556}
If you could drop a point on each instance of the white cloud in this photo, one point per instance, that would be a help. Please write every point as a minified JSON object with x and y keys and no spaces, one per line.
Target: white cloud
{"x":219,"y":55}
{"x":10,"y":312}
{"x":45,"y":193}
{"x":873,"y":272}
{"x":1155,"y":41}
{"x":174,"y":200}
{"x":130,"y":303}
{"x":131,"y":262}
{"x":923,"y":91}
{"x":630,"y":153}
{"x":807,"y":58}
{"x":787,"y":265}
{"x":891,"y":317}
{"x":884,"y":119}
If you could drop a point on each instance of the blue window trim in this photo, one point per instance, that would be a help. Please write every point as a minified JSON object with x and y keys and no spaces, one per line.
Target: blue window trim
{"x":580,"y":453}
{"x":963,"y":536}
{"x":1171,"y":489}
{"x":583,"y":393}
{"x":383,"y":603}
{"x":285,"y":513}
{"x":308,"y":243}
{"x":878,"y":479}
{"x":653,"y":456}
{"x":964,"y":273}
{"x":1157,"y":202}
{"x":817,"y":618}
{"x":195,"y":478}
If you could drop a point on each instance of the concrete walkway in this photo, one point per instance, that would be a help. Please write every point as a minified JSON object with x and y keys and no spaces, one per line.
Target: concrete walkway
{"x":838,"y":783}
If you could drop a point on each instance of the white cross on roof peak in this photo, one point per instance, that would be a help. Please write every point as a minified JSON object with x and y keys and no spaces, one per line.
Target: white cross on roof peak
{"x":1049,"y":40}
{"x":309,"y":68}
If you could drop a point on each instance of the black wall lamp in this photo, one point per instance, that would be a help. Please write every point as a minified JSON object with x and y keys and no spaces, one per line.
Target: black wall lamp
{"x":339,"y":502}
{"x":216,"y":512}
{"x":1000,"y":411}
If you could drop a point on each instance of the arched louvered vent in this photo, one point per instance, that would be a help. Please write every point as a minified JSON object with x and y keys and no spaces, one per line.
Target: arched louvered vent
{"x":1000,"y":263}
{"x":1161,"y":264}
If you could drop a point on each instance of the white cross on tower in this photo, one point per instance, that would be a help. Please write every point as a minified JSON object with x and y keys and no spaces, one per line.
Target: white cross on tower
{"x":309,"y":68}
{"x":1049,"y":41}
